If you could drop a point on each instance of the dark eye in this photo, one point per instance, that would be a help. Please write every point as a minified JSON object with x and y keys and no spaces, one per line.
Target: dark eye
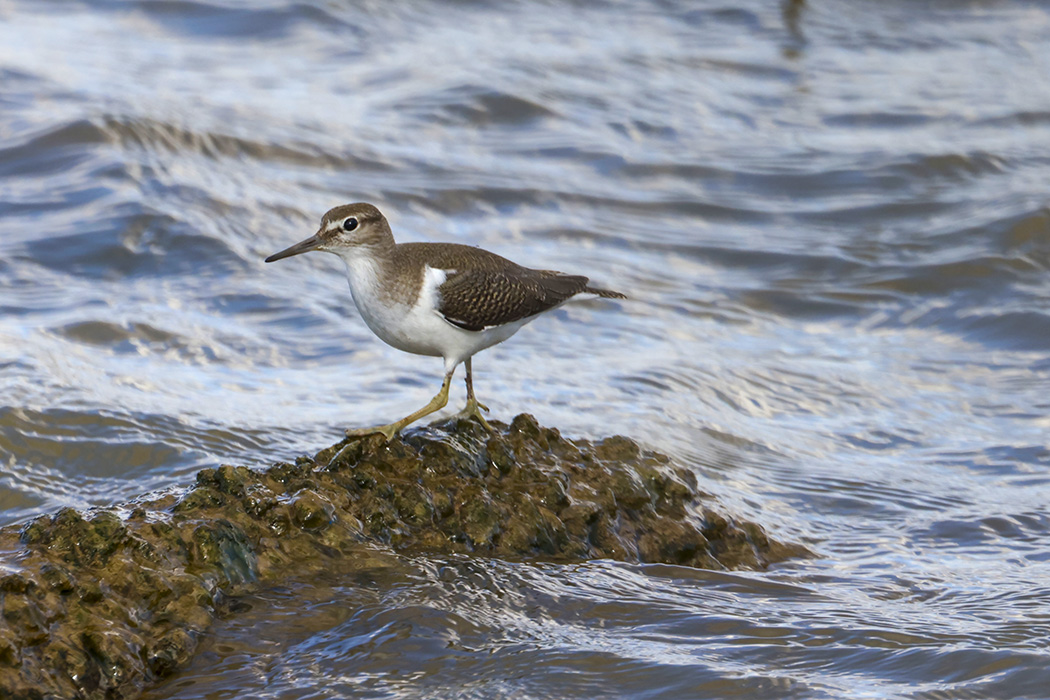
{"x":350,"y":224}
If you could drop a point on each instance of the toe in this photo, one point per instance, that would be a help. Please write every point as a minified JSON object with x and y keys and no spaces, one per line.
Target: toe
{"x":387,"y":431}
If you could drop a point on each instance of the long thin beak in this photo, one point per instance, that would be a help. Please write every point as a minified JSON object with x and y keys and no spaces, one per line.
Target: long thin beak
{"x":311,"y":243}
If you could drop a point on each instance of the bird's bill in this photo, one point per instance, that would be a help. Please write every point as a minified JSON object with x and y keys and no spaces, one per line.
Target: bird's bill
{"x":311,"y":243}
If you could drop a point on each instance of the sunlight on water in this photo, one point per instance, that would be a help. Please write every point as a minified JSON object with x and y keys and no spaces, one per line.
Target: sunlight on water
{"x":832,"y":224}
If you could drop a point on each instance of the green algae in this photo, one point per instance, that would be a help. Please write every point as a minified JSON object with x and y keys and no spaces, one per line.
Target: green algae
{"x":102,"y":606}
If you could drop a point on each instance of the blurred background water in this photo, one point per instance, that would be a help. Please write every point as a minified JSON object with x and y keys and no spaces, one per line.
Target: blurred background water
{"x":834,"y":224}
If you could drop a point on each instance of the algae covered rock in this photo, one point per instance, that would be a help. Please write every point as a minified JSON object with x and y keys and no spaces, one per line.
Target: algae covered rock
{"x":526,"y":491}
{"x":102,"y":605}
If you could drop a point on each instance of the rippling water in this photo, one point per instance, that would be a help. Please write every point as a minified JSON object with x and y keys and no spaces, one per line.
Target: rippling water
{"x":833,"y":220}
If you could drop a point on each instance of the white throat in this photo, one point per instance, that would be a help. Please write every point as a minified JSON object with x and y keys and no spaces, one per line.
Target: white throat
{"x":365,"y":275}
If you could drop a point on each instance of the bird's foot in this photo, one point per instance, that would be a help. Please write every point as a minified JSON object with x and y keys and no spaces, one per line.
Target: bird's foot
{"x":473,"y":410}
{"x":391,"y":429}
{"x":387,"y":431}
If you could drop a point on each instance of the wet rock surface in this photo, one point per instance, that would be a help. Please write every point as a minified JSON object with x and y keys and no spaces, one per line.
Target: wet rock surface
{"x":101,"y":605}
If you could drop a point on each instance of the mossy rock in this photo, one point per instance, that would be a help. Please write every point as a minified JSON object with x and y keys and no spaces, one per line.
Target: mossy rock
{"x":101,"y":606}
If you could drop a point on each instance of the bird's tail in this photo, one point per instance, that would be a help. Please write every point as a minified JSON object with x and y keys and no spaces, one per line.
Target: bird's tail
{"x":605,"y":293}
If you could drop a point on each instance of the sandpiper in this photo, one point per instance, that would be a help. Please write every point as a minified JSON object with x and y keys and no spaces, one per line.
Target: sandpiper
{"x":439,"y":299}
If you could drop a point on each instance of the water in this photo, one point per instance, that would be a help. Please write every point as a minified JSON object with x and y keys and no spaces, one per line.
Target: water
{"x":833,"y":222}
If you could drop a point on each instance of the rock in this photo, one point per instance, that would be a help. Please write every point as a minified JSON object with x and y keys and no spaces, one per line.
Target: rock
{"x":100,"y":606}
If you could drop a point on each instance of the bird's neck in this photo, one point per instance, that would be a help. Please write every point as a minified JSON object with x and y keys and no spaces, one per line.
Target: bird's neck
{"x":378,"y":257}
{"x":374,"y":274}
{"x":376,"y":251}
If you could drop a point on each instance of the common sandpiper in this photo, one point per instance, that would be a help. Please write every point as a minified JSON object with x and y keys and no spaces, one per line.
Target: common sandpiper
{"x":439,"y":299}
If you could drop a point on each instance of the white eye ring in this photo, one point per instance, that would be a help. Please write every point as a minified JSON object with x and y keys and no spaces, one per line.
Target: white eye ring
{"x":350,"y":224}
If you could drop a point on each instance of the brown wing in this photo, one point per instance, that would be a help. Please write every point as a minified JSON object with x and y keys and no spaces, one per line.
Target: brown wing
{"x":482,"y":289}
{"x":479,"y":299}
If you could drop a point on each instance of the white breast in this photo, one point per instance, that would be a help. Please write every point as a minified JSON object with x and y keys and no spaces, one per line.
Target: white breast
{"x":416,"y":328}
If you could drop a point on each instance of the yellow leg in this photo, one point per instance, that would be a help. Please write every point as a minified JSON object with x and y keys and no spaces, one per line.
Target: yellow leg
{"x":391,"y":429}
{"x":471,"y":409}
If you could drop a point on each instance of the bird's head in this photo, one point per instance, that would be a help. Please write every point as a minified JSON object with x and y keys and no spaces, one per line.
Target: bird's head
{"x":343,"y":229}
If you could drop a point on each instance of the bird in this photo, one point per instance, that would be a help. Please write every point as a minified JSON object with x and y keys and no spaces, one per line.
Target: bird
{"x":445,"y":300}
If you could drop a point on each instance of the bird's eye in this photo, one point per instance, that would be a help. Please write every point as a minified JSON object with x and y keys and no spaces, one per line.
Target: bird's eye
{"x":350,"y":224}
